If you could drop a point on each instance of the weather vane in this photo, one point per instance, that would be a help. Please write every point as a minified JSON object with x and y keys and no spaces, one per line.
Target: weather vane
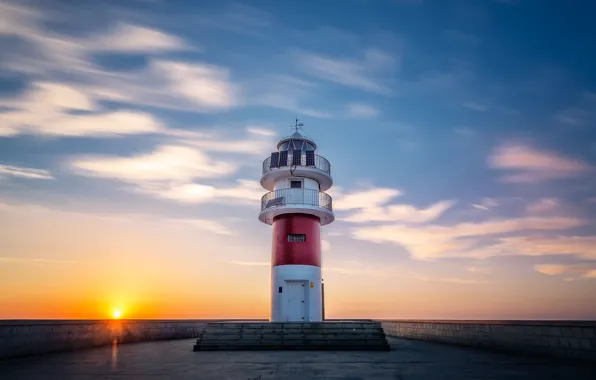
{"x":298,"y":125}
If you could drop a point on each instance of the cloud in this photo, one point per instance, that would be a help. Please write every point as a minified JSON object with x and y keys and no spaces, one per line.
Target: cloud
{"x":369,"y":72}
{"x":245,"y":192}
{"x":22,"y":172}
{"x":170,"y":171}
{"x":283,"y":92}
{"x":399,"y":213}
{"x":466,"y":239}
{"x":198,"y":84}
{"x":261,"y":131}
{"x":373,"y":197}
{"x":255,"y":144}
{"x":476,"y":269}
{"x":486,"y":204}
{"x":237,"y":18}
{"x":49,"y":52}
{"x":135,"y":39}
{"x":571,"y":271}
{"x":18,"y":20}
{"x":532,"y":165}
{"x":44,"y":110}
{"x":542,"y":205}
{"x":582,"y":246}
{"x":591,"y":274}
{"x":551,"y":269}
{"x":167,"y":162}
{"x":205,"y":225}
{"x":325,"y":245}
{"x":360,"y":110}
{"x":476,"y":106}
{"x":29,"y":260}
{"x":573,"y":116}
{"x":194,"y":86}
{"x":369,"y":206}
{"x":581,"y":114}
{"x":454,"y":280}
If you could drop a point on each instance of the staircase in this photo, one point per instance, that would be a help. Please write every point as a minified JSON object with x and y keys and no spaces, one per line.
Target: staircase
{"x":361,"y":336}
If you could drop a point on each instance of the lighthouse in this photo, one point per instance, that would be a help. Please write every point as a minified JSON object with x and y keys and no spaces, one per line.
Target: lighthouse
{"x":296,"y":206}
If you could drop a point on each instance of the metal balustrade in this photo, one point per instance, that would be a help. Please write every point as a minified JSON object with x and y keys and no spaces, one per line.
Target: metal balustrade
{"x":306,"y":197}
{"x":321,"y":163}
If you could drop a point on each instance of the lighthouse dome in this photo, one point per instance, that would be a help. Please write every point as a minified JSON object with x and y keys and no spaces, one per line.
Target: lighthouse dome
{"x":296,"y":142}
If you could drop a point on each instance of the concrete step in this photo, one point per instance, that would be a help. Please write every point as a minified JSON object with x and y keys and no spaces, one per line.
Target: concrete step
{"x":293,"y":336}
{"x":309,"y":347}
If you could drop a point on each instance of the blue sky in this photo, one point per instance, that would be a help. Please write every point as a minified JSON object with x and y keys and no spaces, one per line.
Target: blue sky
{"x":461,"y":136}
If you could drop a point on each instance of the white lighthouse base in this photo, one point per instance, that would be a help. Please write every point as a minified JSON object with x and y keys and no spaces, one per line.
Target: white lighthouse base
{"x":296,"y":293}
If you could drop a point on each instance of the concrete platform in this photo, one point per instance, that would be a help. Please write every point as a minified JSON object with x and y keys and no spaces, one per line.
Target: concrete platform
{"x":174,"y":360}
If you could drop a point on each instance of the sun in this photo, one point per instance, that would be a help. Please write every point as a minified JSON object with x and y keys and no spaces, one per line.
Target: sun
{"x":117,"y":313}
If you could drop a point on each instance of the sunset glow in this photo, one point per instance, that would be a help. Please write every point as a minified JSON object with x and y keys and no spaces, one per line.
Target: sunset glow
{"x":117,"y":313}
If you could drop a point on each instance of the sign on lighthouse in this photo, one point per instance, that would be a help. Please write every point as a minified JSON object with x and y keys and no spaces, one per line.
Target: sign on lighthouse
{"x":296,"y":206}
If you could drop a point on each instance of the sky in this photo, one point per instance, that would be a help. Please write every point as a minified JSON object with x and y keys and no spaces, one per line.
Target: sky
{"x":461,"y":136}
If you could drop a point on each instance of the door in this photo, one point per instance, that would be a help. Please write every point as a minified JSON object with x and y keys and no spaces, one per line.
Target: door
{"x":296,"y":192}
{"x":296,"y":307}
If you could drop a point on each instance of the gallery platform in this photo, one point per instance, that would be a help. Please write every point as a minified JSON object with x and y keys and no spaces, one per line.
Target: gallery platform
{"x":295,"y":336}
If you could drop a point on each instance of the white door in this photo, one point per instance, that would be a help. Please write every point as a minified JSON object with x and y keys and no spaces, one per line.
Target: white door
{"x":295,"y":306}
{"x":296,"y":192}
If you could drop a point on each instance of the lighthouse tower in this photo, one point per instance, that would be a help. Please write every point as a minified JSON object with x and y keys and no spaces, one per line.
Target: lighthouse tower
{"x":296,"y":206}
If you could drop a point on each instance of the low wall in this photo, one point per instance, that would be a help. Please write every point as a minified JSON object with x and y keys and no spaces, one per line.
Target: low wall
{"x":562,"y":339}
{"x":30,"y":337}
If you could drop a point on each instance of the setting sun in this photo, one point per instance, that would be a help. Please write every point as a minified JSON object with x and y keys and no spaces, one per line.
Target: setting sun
{"x":117,"y":313}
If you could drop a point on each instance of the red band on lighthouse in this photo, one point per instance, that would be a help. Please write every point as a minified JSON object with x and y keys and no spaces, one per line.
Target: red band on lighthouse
{"x":285,"y":252}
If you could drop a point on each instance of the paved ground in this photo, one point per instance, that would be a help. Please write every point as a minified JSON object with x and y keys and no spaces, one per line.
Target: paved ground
{"x":175,"y":360}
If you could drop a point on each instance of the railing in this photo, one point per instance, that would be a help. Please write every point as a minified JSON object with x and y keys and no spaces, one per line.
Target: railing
{"x":307,"y":197}
{"x":320,"y":163}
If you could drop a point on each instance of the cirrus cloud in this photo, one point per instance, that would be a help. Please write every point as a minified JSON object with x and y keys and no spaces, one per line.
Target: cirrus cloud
{"x":527,"y":164}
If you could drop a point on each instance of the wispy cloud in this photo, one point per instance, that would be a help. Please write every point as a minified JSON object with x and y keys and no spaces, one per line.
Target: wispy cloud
{"x":176,"y":163}
{"x":583,"y":113}
{"x":570,"y":271}
{"x":261,"y":131}
{"x":400,"y":213}
{"x":29,"y":260}
{"x":530,"y":164}
{"x":543,"y":205}
{"x":454,"y":280}
{"x":370,"y":72}
{"x":176,"y":84}
{"x":465,"y":239}
{"x":208,"y":225}
{"x":372,"y":197}
{"x":486,"y":204}
{"x":135,"y":39}
{"x":361,"y":110}
{"x":44,"y":110}
{"x":370,"y":205}
{"x":237,"y":18}
{"x":476,"y":269}
{"x":476,"y":106}
{"x":23,"y":172}
{"x":244,"y":192}
{"x":283,"y":92}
